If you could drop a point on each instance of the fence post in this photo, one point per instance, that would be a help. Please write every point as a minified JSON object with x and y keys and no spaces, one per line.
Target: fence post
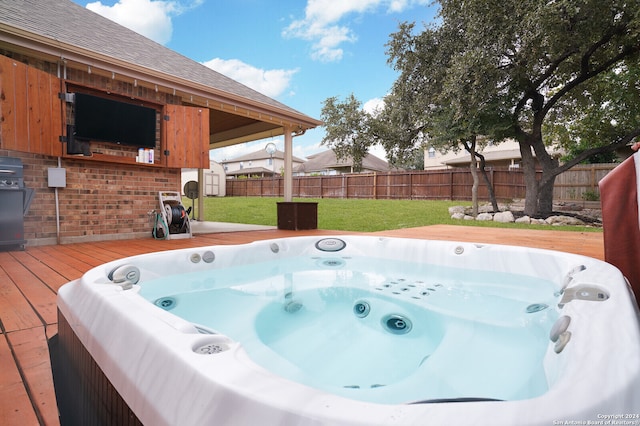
{"x":411,"y":186}
{"x":375,"y":185}
{"x":450,"y":184}
{"x":344,"y":195}
{"x":346,"y":186}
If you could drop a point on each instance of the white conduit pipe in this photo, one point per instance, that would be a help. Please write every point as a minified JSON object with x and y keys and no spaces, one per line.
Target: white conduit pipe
{"x":58,"y":209}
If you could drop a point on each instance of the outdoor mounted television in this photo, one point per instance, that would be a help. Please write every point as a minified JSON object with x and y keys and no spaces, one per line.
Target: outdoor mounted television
{"x":108,"y":120}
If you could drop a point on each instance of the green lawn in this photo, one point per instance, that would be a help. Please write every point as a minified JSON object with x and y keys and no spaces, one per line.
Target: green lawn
{"x":352,"y":214}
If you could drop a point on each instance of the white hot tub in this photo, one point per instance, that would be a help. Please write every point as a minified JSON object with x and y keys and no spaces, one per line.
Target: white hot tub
{"x":357,"y":330}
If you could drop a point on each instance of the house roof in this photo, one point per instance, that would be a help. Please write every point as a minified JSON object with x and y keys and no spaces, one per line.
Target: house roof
{"x":60,"y":30}
{"x":328,"y":160}
{"x":260,"y":155}
{"x":498,"y":155}
{"x":248,"y":171}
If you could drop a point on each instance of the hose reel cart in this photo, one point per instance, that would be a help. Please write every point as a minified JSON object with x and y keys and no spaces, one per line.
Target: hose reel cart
{"x":174,"y":216}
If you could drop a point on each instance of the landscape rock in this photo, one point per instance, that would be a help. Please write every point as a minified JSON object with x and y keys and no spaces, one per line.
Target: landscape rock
{"x":569,"y":207}
{"x":513,"y":213}
{"x":504,"y":217}
{"x":453,"y":210}
{"x":563,"y":220}
{"x":485,"y":208}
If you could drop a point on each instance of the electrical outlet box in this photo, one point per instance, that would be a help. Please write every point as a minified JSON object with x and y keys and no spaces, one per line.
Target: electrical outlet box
{"x":57,"y":177}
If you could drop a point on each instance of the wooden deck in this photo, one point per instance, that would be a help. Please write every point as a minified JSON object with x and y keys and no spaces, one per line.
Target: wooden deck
{"x":29,"y":281}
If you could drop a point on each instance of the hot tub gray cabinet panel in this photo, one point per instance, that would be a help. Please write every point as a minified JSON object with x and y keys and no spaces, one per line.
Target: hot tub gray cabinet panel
{"x":84,"y":394}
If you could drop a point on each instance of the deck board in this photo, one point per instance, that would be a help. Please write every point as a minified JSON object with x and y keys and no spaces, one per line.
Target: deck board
{"x":41,"y":297}
{"x":15,"y":404}
{"x":32,"y":354}
{"x":49,"y":276}
{"x":30,"y":279}
{"x":17,"y":312}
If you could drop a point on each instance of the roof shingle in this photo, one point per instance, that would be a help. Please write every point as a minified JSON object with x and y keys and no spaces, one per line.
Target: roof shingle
{"x":68,"y":23}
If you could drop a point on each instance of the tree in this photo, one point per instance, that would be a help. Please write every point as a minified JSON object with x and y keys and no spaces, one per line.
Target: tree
{"x":443,"y":107}
{"x":504,"y":68}
{"x":351,"y":131}
{"x":346,"y":129}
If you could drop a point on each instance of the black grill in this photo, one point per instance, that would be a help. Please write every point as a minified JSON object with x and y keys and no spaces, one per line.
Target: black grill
{"x":15,"y":200}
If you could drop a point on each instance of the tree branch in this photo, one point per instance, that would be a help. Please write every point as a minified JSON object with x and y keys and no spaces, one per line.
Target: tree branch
{"x":582,"y":77}
{"x":623,"y":141}
{"x":533,"y":91}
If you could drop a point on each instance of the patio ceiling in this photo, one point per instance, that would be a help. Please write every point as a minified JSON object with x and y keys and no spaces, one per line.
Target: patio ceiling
{"x":231,"y":129}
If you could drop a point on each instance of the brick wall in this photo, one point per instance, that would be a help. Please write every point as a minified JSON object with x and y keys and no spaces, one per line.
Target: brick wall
{"x":102,"y":201}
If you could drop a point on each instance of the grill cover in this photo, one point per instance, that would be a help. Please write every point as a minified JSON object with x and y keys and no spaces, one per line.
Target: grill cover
{"x":14,"y":202}
{"x":11,"y":173}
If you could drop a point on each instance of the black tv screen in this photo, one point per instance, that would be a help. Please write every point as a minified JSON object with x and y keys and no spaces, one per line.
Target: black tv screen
{"x":101,"y":119}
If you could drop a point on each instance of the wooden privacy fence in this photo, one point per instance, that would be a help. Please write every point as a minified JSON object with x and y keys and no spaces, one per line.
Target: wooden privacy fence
{"x":578,"y":184}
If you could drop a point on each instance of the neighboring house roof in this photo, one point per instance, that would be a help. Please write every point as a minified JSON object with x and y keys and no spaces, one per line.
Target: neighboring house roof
{"x":213,"y":165}
{"x":260,"y":155}
{"x":490,"y":156}
{"x":249,"y":171}
{"x":60,"y":30}
{"x":328,"y":160}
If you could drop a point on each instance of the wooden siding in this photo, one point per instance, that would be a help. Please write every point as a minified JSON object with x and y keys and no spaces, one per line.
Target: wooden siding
{"x":186,"y":136}
{"x":30,"y":110}
{"x":32,"y":117}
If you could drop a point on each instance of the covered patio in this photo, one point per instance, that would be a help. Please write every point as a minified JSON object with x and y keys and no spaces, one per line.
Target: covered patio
{"x":64,"y":71}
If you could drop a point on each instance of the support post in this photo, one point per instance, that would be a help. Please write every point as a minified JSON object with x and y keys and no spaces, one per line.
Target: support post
{"x":288,"y":163}
{"x":201,"y":184}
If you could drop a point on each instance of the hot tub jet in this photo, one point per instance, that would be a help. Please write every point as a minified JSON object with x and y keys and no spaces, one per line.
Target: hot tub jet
{"x":397,"y":324}
{"x":291,"y":305}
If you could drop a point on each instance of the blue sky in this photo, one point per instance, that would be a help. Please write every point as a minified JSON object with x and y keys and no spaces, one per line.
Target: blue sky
{"x":298,"y":52}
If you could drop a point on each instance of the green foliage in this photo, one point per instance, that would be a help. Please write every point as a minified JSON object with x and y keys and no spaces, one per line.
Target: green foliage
{"x":549,"y":74}
{"x":598,"y":158}
{"x":514,"y":69}
{"x":605,"y":110}
{"x":396,"y":130}
{"x":411,"y":160}
{"x":351,"y":131}
{"x":591,"y":195}
{"x":346,"y":129}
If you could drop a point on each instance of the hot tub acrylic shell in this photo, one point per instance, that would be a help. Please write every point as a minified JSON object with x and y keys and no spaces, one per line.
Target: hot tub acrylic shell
{"x":148,"y":354}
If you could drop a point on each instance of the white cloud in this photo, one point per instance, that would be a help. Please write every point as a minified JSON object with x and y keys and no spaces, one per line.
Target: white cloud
{"x":396,"y":6}
{"x":151,"y":18}
{"x":306,"y":150}
{"x":373,"y":106}
{"x":378,"y":151}
{"x":272,"y":83}
{"x":321,"y":24}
